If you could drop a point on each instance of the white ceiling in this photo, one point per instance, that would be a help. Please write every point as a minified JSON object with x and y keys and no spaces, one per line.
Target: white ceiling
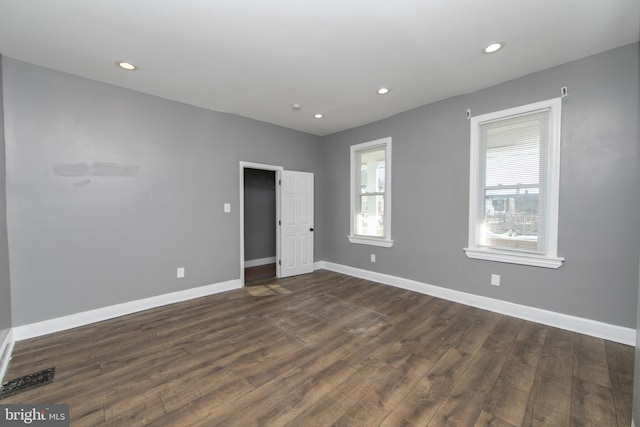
{"x":255,"y":58}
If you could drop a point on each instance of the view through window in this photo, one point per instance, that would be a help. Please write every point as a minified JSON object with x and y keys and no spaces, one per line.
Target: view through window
{"x":370,"y":193}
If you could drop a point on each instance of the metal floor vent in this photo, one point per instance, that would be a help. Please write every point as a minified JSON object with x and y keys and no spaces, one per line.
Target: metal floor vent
{"x":27,"y":382}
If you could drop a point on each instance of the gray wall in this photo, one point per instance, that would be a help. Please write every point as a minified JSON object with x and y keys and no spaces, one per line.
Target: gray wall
{"x":259,"y":214}
{"x":110,"y":190}
{"x":5,"y":280}
{"x":599,"y":234}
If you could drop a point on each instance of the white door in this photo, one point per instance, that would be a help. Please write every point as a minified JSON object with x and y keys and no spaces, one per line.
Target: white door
{"x":296,"y":223}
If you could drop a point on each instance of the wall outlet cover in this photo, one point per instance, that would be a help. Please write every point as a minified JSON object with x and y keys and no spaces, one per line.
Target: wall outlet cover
{"x":495,"y":279}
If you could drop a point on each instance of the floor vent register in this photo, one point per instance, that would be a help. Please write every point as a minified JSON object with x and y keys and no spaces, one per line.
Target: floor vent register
{"x":27,"y":382}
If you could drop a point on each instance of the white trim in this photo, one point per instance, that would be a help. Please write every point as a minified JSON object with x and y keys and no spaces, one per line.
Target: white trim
{"x":87,"y":317}
{"x":260,"y":166}
{"x":373,"y":241}
{"x":259,"y":261}
{"x":514,"y":257}
{"x":5,"y":353}
{"x":581,"y":325}
{"x":552,"y":188}
{"x":386,"y":240}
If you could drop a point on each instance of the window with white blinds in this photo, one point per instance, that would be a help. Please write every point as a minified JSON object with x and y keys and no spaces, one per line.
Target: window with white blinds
{"x":514,"y":185}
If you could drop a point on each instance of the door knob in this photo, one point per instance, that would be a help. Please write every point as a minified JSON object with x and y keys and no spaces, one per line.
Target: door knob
{"x":311,"y":229}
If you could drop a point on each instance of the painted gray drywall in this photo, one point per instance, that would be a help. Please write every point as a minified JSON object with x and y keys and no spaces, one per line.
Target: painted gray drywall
{"x":259,"y":214}
{"x":110,"y":190}
{"x":5,"y":278}
{"x":599,"y":234}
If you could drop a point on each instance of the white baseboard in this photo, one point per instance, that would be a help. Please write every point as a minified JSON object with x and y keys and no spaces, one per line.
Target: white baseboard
{"x":593,"y":328}
{"x":6,"y":348}
{"x":87,"y":317}
{"x":260,"y":261}
{"x":581,"y":325}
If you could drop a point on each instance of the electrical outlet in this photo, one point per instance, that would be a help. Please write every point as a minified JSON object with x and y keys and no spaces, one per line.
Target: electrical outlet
{"x":180,"y":272}
{"x":495,"y":279}
{"x":227,"y":207}
{"x":373,"y":257}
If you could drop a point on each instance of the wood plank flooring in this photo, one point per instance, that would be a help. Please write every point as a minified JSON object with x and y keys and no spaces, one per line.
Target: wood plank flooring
{"x":256,"y":275}
{"x":328,"y":349}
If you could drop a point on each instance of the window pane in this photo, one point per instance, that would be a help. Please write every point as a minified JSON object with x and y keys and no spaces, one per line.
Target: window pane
{"x":511,"y":219}
{"x":511,"y":208}
{"x":380,"y":176}
{"x":364,"y":173}
{"x":370,"y":217}
{"x":372,"y":170}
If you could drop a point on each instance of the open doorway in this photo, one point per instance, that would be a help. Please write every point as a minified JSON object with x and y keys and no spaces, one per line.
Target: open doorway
{"x":292,"y":224}
{"x":259,"y":210}
{"x":260,"y":252}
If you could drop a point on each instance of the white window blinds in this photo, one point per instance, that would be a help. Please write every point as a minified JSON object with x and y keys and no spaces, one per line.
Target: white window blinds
{"x":512,"y":171}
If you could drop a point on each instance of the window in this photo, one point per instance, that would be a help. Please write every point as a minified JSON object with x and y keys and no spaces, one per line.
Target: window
{"x":514,"y":181}
{"x":371,"y":193}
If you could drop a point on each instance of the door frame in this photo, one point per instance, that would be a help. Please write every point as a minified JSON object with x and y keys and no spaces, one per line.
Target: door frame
{"x":260,"y":166}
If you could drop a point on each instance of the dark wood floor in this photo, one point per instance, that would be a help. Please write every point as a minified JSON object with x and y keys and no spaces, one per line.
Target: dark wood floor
{"x":328,"y":349}
{"x":258,"y":274}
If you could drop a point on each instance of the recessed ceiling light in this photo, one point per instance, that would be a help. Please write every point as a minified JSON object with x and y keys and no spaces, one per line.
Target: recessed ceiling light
{"x":296,"y":106}
{"x":318,"y":116}
{"x":383,"y":91}
{"x":493,"y":47}
{"x":126,"y":65}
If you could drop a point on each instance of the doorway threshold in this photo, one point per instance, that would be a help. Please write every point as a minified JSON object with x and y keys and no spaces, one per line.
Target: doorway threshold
{"x":255,"y":276}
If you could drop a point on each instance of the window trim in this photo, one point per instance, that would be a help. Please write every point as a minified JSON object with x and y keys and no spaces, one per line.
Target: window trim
{"x":550,"y":258}
{"x":386,"y":240}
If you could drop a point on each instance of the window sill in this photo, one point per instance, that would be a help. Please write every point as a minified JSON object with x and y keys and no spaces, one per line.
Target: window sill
{"x":371,"y":241}
{"x":515,"y":257}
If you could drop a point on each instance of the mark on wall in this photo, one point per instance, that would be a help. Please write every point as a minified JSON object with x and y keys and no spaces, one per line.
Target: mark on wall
{"x":112,"y":169}
{"x":96,"y":169}
{"x":102,"y":169}
{"x":79,"y":169}
{"x":82,"y":183}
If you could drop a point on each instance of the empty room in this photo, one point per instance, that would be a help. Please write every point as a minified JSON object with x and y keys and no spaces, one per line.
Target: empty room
{"x":291,"y":213}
